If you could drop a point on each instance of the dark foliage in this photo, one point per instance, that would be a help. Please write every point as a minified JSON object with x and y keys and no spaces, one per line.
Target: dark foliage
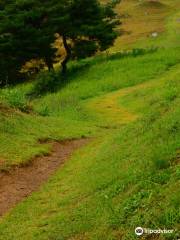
{"x":28,"y":29}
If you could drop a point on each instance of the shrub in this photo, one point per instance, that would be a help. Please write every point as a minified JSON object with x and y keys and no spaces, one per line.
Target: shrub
{"x":15,"y":97}
{"x":46,"y":82}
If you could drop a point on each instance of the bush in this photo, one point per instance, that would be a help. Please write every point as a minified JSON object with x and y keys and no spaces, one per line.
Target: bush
{"x":46,"y":82}
{"x":135,"y":52}
{"x":15,"y":97}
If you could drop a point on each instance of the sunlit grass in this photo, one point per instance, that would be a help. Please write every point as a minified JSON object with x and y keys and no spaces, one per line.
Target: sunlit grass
{"x":128,"y":177}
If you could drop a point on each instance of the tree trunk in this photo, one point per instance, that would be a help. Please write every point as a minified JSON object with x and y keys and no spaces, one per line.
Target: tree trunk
{"x":49,"y":64}
{"x":50,"y":67}
{"x":68,"y":55}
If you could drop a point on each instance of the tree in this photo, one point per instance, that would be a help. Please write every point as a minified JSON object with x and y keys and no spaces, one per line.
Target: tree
{"x":28,"y":29}
{"x":24,"y":35}
{"x":85,"y":26}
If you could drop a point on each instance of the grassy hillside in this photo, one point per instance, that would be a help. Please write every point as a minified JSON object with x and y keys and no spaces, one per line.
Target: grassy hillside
{"x":95,"y":78}
{"x":129,"y":174}
{"x":140,"y":19}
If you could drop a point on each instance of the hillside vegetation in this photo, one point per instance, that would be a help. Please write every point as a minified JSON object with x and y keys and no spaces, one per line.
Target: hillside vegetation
{"x":127,"y":104}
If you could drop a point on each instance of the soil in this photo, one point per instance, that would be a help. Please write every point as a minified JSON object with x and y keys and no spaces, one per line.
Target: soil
{"x":20,"y":182}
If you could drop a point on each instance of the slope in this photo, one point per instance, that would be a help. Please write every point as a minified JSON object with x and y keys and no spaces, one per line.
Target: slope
{"x":128,"y":175}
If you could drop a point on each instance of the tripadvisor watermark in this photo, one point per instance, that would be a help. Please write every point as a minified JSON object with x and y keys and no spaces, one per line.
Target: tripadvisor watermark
{"x":139,"y":231}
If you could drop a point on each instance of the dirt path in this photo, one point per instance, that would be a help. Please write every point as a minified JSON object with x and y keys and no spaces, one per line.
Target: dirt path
{"x":107,"y":107}
{"x":19,"y":183}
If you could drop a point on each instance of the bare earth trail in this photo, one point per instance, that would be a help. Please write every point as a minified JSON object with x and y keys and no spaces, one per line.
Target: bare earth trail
{"x":20,"y":182}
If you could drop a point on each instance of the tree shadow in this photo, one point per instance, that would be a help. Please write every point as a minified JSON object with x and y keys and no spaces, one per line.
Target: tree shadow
{"x":53,"y":81}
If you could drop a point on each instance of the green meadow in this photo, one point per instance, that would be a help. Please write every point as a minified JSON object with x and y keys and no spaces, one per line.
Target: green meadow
{"x":128,"y":175}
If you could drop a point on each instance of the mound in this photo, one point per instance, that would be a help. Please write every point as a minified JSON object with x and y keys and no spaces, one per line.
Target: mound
{"x":155,"y":4}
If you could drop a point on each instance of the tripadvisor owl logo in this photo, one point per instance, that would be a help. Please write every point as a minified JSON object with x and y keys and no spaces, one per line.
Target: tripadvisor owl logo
{"x":139,"y":231}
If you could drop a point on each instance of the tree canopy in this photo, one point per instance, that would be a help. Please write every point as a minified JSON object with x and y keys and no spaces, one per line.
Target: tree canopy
{"x":28,"y":29}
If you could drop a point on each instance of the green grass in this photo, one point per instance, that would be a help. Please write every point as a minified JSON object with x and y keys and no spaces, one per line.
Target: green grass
{"x":128,"y":175}
{"x":60,"y":115}
{"x":103,"y":76}
{"x":20,"y":135}
{"x":128,"y":178}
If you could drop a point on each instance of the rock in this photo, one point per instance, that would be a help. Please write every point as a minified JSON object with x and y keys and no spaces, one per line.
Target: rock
{"x":154,"y":34}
